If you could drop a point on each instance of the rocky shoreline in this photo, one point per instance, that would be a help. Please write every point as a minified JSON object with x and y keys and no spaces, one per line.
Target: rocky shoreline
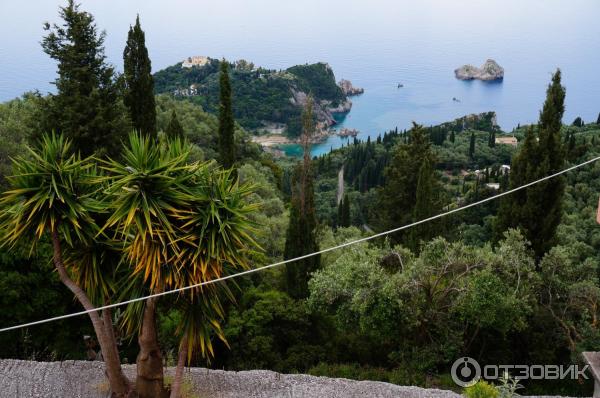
{"x":345,"y":132}
{"x":348,"y":89}
{"x":324,"y":110}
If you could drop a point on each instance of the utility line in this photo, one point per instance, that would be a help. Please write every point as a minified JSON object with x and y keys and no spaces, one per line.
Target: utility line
{"x":251,"y":271}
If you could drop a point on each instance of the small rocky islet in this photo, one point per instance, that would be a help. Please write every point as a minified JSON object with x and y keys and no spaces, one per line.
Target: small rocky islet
{"x":489,"y":71}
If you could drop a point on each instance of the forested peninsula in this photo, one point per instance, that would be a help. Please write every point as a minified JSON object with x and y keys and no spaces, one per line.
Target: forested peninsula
{"x":266,"y":100}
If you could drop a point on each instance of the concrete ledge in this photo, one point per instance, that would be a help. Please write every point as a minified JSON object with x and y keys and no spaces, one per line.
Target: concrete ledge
{"x":593,"y":359}
{"x":81,"y":379}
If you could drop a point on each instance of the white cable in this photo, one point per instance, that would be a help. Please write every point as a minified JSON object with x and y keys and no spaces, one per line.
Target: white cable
{"x":251,"y":271}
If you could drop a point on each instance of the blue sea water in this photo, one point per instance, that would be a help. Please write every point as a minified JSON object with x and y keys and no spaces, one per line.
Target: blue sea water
{"x":376,"y":44}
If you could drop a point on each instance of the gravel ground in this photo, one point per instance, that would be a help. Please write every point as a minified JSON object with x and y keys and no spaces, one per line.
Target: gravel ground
{"x":80,"y":379}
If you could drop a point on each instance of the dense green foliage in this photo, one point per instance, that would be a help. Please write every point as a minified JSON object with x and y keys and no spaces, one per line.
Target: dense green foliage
{"x":319,"y":81}
{"x":32,"y":291}
{"x":139,"y":83}
{"x":174,"y":129}
{"x":87,"y":108}
{"x":201,"y":129}
{"x":365,"y":164}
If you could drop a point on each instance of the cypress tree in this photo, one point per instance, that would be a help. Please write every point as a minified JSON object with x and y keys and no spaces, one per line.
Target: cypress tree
{"x":472,"y":146}
{"x":598,"y":120}
{"x":301,"y":234}
{"x":398,"y":197}
{"x":174,"y":129}
{"x":452,"y":136}
{"x":139,"y":84}
{"x":86,"y":108}
{"x":424,"y":205}
{"x":226,"y":121}
{"x":537,"y":210}
{"x":492,"y":140}
{"x":344,"y":212}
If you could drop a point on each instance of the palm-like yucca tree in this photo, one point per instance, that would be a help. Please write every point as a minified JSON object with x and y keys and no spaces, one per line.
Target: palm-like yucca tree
{"x":51,"y":195}
{"x":182,"y":223}
{"x":147,"y":193}
{"x":215,"y":242}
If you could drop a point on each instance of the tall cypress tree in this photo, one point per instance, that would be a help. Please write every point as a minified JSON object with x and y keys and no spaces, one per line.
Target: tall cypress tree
{"x":537,"y":210}
{"x":86,"y":108}
{"x":226,"y":121}
{"x":472,"y":146}
{"x":174,"y":129}
{"x":425,"y":205}
{"x":492,"y":139}
{"x":398,"y":197}
{"x":344,"y":212}
{"x":139,"y":84}
{"x":301,"y":234}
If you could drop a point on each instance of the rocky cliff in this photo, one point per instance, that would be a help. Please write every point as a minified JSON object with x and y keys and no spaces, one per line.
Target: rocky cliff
{"x":323,"y":109}
{"x":489,"y":71}
{"x":349,"y":89}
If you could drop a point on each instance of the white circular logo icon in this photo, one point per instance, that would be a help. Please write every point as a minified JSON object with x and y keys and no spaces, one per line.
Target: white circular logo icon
{"x":465,"y":371}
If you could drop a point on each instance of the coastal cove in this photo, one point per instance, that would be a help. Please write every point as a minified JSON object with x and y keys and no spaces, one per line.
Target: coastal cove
{"x":416,"y":45}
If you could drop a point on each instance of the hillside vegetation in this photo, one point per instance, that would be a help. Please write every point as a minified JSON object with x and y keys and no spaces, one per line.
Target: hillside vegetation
{"x":94,"y":211}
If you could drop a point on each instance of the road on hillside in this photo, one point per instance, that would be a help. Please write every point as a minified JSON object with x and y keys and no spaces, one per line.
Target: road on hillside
{"x":340,"y":190}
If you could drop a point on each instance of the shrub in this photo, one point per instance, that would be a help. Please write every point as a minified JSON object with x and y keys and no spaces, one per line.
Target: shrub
{"x":481,"y":390}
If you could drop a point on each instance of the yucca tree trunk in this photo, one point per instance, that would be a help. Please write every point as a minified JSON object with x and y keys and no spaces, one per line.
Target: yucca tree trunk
{"x":181,"y":359}
{"x":119,"y":384}
{"x":150,"y":377}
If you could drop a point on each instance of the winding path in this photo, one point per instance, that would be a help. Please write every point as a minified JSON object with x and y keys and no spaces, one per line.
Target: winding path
{"x":340,"y":190}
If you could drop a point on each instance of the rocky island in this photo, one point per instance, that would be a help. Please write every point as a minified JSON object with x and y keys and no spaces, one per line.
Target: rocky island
{"x":348,"y":89}
{"x":489,"y":71}
{"x":345,"y":132}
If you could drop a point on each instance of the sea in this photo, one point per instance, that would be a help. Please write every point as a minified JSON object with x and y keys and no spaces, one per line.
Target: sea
{"x":377,"y":44}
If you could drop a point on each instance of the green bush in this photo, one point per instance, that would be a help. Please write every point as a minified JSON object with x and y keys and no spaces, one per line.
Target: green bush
{"x":481,"y":390}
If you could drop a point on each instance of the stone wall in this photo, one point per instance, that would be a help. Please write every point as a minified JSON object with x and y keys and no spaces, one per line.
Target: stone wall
{"x":79,"y":379}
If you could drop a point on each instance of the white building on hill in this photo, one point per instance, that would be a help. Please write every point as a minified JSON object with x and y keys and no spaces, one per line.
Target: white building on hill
{"x":198,"y":60}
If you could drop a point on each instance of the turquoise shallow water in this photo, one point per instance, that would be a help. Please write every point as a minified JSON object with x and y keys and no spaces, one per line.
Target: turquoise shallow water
{"x":376,"y":44}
